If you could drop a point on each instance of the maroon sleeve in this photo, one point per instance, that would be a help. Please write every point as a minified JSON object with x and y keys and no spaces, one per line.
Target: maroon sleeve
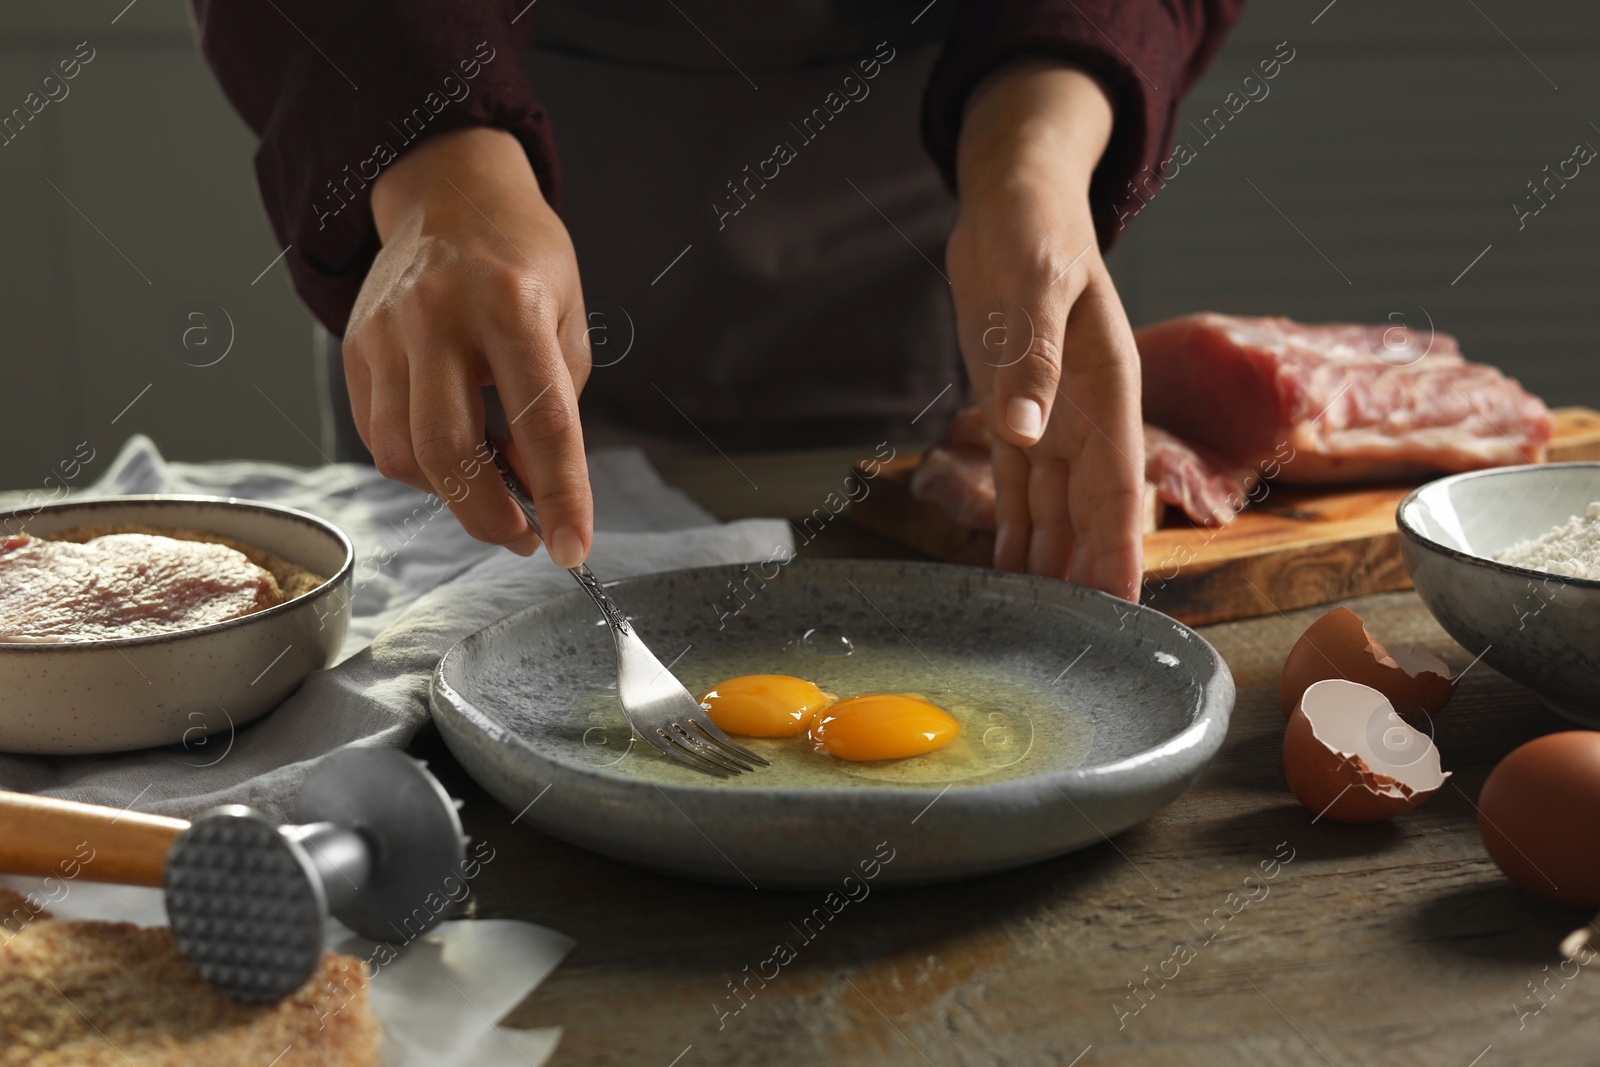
{"x":1148,"y":53}
{"x":336,"y":91}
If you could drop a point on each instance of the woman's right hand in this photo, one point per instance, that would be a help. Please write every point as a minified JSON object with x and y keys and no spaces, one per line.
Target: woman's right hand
{"x":476,"y":284}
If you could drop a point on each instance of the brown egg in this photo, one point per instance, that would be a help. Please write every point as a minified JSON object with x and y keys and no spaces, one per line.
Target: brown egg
{"x":1338,"y":645}
{"x":1349,"y":756}
{"x":1539,"y":817}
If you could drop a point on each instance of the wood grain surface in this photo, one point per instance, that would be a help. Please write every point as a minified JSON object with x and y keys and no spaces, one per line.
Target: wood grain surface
{"x":1390,"y":944}
{"x":1303,"y":545}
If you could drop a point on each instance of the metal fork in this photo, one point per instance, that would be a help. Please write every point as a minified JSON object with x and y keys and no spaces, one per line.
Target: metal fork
{"x":656,"y":705}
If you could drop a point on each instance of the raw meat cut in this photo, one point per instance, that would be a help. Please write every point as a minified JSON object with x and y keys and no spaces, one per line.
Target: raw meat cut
{"x":123,"y":585}
{"x":1352,"y":401}
{"x":956,"y":476}
{"x":1206,"y":487}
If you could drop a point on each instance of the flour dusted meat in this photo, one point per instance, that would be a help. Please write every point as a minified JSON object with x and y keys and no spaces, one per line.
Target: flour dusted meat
{"x":1354,"y":402}
{"x":957,"y":477}
{"x":123,"y":585}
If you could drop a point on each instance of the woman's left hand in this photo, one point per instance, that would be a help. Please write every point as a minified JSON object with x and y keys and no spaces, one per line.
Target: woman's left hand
{"x":1043,"y":333}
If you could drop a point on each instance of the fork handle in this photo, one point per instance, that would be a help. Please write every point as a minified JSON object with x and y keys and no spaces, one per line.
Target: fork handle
{"x":581,"y":573}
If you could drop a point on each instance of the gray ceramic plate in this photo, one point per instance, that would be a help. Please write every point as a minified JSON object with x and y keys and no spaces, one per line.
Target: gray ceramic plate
{"x":1085,"y":715}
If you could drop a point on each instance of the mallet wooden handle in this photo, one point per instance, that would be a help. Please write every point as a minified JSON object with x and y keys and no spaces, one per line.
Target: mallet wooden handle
{"x":43,"y":836}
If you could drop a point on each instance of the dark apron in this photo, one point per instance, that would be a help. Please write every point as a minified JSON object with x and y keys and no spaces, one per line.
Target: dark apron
{"x":762,"y":266}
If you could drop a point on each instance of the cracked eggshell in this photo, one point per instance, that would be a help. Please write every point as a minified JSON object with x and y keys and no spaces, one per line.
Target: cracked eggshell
{"x":1537,"y":817}
{"x":1350,"y":757}
{"x":1338,"y":645}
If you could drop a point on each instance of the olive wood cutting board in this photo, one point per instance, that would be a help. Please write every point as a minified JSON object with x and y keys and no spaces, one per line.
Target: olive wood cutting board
{"x":1296,"y":546}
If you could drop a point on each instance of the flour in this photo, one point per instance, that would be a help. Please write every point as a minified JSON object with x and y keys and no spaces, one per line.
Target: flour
{"x":1571,"y":550}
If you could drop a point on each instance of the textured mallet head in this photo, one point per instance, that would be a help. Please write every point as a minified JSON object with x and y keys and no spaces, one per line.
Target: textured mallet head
{"x":245,"y":904}
{"x":378,"y":843}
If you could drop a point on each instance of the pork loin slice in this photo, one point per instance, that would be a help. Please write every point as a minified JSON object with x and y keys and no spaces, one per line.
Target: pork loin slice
{"x":1197,"y":481}
{"x":123,"y":585}
{"x":956,"y":475}
{"x":1353,"y":402}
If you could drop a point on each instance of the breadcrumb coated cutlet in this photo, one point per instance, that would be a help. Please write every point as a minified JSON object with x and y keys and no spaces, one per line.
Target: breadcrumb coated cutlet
{"x":96,"y":994}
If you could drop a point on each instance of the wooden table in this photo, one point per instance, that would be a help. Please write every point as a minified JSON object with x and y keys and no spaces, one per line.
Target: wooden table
{"x":1397,"y":943}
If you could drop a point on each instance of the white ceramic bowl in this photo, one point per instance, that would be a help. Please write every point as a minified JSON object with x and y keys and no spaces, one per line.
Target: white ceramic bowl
{"x":73,"y":698}
{"x":1541,"y":629}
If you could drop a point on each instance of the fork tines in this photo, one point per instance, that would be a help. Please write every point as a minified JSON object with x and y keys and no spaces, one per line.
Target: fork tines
{"x":701,"y":745}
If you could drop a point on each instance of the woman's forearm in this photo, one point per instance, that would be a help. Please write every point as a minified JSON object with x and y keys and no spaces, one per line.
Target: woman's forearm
{"x":1034,"y":120}
{"x":490,"y":162}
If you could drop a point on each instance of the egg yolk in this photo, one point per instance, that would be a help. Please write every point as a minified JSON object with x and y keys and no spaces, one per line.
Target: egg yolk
{"x":764,"y":705}
{"x":882,"y":726}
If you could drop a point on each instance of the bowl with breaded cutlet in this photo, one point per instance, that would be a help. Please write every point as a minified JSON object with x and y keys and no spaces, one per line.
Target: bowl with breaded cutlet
{"x":141,"y":621}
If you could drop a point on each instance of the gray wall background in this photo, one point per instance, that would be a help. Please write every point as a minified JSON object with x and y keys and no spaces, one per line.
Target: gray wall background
{"x":120,"y":206}
{"x":1385,"y":158}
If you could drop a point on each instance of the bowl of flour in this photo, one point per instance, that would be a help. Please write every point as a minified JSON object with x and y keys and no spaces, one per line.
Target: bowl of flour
{"x":1508,"y":562}
{"x":1570,"y":549}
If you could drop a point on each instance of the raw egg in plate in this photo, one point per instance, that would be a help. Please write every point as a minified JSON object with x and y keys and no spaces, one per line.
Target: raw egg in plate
{"x":883,"y":726}
{"x":889,"y":724}
{"x":995,"y":734}
{"x":764,"y":705}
